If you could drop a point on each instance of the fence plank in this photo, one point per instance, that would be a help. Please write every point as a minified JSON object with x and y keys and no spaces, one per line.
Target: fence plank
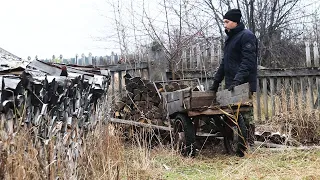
{"x":316,"y":54}
{"x":278,"y":85}
{"x":310,"y":92}
{"x":184,"y":59}
{"x":287,"y":91}
{"x":303,"y":90}
{"x":112,"y":83}
{"x":265,"y":97}
{"x":272,"y":96}
{"x":318,"y":92}
{"x":308,"y":56}
{"x":219,"y":52}
{"x":212,"y":54}
{"x":288,"y":72}
{"x":258,"y":100}
{"x":198,"y":56}
{"x":191,"y":57}
{"x":294,"y":92}
{"x":120,"y":83}
{"x":279,"y":89}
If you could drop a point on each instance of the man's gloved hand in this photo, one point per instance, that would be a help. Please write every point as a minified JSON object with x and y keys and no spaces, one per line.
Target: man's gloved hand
{"x":214,"y":86}
{"x":234,"y":84}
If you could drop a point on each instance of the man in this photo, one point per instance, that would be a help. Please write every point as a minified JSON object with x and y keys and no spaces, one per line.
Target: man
{"x":239,"y":63}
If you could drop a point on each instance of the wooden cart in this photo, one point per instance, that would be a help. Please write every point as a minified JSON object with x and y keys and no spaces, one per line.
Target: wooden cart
{"x":197,"y":114}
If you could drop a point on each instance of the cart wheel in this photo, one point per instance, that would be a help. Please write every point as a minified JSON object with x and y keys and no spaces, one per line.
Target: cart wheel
{"x":234,"y":138}
{"x":184,"y":135}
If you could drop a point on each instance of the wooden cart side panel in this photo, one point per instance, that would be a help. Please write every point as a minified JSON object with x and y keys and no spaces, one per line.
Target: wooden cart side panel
{"x":176,"y":95}
{"x":223,"y":98}
{"x":177,"y":101}
{"x":201,"y":99}
{"x":241,"y":94}
{"x":210,"y":112}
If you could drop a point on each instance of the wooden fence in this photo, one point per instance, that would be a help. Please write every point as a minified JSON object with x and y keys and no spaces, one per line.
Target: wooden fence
{"x":203,"y":55}
{"x":284,"y":90}
{"x":279,"y":90}
{"x":118,"y":72}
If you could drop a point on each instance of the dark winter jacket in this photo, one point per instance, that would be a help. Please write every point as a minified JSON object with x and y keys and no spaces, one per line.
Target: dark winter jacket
{"x":239,"y":63}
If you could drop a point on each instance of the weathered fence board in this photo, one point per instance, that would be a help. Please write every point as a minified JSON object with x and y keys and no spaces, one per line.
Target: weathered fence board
{"x":291,"y":84}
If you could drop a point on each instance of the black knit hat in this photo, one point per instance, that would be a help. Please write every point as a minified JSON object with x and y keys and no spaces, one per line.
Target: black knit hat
{"x":233,"y":15}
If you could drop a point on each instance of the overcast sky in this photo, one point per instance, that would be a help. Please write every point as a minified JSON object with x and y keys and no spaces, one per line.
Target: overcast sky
{"x":67,"y":27}
{"x":47,"y":27}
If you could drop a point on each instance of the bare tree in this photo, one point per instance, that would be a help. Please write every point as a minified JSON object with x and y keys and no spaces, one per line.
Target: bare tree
{"x":274,"y":22}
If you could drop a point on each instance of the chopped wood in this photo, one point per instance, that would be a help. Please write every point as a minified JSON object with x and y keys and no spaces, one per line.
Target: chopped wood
{"x":136,"y":92}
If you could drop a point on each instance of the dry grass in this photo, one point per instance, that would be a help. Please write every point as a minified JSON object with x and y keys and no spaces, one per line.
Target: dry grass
{"x":293,"y":116}
{"x":104,"y":155}
{"x":262,"y":164}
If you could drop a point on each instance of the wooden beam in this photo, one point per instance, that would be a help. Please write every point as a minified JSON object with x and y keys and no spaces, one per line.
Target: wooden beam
{"x":311,"y":71}
{"x":120,"y":83}
{"x":272,"y":96}
{"x":240,"y":94}
{"x":133,"y":123}
{"x":303,"y":90}
{"x":126,"y":67}
{"x":287,"y":86}
{"x":265,"y":97}
{"x":258,"y":93}
{"x":310,"y":92}
{"x":318,"y":90}
{"x":216,"y":111}
{"x":112,"y":83}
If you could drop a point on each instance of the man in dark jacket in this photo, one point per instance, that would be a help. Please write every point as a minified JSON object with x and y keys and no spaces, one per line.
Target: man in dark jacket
{"x":239,"y":63}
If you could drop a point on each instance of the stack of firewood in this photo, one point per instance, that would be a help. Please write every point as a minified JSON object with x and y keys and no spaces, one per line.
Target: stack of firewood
{"x":143,"y":102}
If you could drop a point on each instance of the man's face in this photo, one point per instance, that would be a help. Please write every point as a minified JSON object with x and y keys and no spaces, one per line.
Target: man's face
{"x":229,"y":24}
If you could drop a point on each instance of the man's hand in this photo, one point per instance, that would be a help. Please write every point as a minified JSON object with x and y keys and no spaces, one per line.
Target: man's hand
{"x":234,"y":84}
{"x":214,"y":86}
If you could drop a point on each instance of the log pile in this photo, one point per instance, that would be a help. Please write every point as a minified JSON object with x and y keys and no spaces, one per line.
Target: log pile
{"x":143,"y":102}
{"x":55,"y":109}
{"x":36,"y":98}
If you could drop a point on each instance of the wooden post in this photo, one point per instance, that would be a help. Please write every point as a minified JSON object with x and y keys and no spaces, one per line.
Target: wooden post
{"x":308,"y":56}
{"x":310,"y":92}
{"x":279,"y":86}
{"x":294,"y":92}
{"x":316,"y":54}
{"x":120,"y":83}
{"x":287,"y":87}
{"x":318,"y":90}
{"x":184,"y":59}
{"x":112,"y":83}
{"x":149,"y":69}
{"x":303,"y":91}
{"x":265,"y":97}
{"x":198,"y":52}
{"x":191,"y":57}
{"x":206,"y":54}
{"x":219,"y":52}
{"x":279,"y":92}
{"x":272,"y":96}
{"x":258,"y":100}
{"x":212,"y":54}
